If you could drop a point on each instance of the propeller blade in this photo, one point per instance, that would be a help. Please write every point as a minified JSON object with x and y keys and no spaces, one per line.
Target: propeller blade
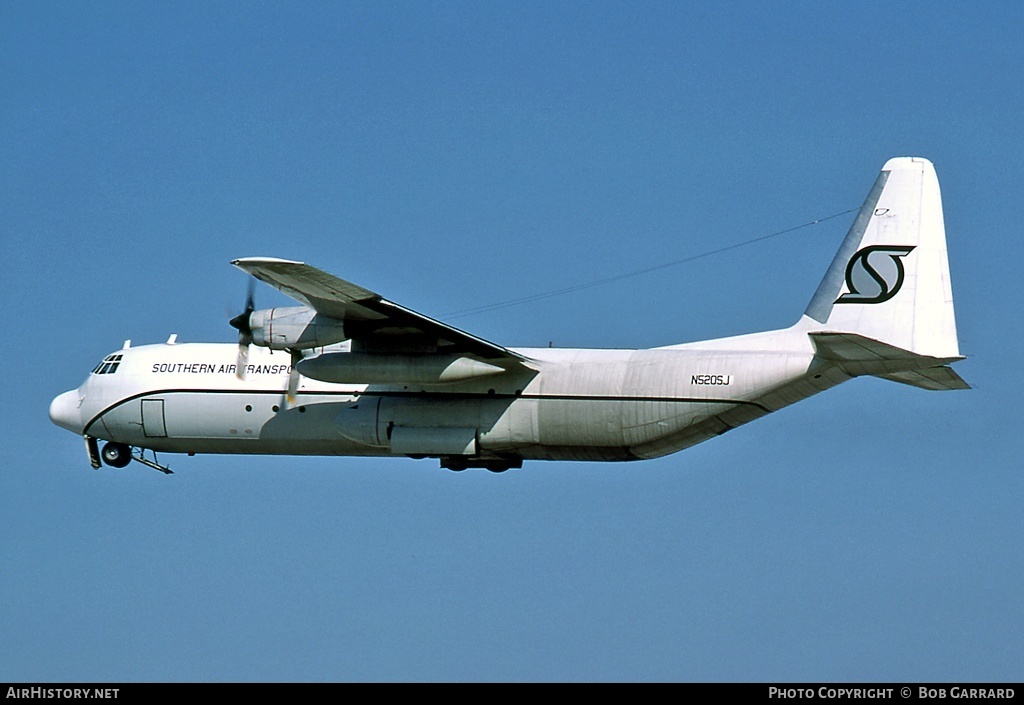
{"x":293,"y":376}
{"x":250,"y":299}
{"x":243,"y":357}
{"x":241,"y":324}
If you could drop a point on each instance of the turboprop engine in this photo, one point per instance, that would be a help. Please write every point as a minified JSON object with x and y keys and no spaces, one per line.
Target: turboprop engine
{"x":291,"y":328}
{"x":294,"y":328}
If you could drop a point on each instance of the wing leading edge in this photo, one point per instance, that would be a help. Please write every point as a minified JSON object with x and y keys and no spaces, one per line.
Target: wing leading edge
{"x":373,"y":323}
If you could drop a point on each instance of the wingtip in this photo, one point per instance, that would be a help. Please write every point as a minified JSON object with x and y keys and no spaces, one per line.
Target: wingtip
{"x":253,"y":261}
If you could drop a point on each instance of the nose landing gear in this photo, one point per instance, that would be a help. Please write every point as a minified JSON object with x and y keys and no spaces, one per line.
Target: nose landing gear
{"x":118,"y":455}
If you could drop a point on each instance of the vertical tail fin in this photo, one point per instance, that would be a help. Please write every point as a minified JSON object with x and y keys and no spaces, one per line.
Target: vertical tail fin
{"x":890,"y":279}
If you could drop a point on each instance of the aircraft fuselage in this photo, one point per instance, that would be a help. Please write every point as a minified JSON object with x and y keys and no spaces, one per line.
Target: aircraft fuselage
{"x":576,"y":404}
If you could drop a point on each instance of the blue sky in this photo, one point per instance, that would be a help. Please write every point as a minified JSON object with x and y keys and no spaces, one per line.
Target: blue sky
{"x":451,"y":155}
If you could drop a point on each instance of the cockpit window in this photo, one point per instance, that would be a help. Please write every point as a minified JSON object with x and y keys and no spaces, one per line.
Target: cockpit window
{"x":109,"y":365}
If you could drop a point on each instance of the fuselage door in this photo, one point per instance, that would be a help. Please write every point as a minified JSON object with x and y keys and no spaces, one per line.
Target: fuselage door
{"x":153,"y":418}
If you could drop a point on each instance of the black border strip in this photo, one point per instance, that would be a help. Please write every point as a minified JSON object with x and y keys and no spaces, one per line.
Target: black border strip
{"x":784,"y":691}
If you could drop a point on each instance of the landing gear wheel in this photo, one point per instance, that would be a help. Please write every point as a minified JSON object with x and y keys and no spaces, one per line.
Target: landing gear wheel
{"x":117,"y":455}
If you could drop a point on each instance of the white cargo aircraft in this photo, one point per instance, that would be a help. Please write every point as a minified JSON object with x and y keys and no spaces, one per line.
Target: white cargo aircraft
{"x":351,"y":373}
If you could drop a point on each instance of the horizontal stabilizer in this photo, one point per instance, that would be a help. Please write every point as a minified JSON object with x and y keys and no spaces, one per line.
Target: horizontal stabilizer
{"x":860,"y":355}
{"x":935,"y":378}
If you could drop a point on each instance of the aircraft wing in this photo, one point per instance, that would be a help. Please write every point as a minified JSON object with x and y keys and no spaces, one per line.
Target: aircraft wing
{"x":373,"y":323}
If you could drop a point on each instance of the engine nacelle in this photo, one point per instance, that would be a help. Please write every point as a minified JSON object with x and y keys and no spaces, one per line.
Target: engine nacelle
{"x":295,"y":328}
{"x":378,"y":368}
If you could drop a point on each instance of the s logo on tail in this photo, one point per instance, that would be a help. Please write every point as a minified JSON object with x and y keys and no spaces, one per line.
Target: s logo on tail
{"x":873,"y":278}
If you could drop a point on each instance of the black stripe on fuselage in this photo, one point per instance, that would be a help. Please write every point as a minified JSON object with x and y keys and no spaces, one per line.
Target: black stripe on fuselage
{"x":439,"y":396}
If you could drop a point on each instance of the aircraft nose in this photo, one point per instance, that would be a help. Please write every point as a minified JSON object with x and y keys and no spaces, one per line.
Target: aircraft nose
{"x":65,"y":412}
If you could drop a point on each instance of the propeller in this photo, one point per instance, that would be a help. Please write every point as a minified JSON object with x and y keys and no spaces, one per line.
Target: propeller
{"x":241,"y":324}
